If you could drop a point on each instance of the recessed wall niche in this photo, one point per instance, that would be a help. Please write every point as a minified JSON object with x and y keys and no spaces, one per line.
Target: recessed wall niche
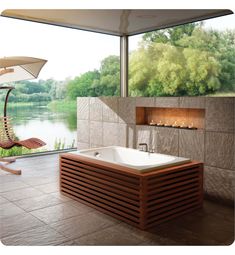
{"x":186,"y":118}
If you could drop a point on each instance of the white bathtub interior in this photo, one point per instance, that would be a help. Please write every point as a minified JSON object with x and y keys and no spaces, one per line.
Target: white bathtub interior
{"x":132,"y":158}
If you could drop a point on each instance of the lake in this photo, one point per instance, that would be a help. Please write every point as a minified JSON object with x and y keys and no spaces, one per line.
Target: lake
{"x":48,"y":125}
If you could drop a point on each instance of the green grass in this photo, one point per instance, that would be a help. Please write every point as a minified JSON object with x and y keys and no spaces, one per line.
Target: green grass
{"x":222,"y":94}
{"x":63,"y":105}
{"x":17,"y":151}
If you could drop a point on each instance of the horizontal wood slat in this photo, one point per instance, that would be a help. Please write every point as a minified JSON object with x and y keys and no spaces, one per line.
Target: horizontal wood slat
{"x":140,"y":199}
{"x":120,"y":176}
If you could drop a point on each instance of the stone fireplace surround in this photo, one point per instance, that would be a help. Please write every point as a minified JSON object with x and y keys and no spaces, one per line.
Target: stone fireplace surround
{"x":105,"y":121}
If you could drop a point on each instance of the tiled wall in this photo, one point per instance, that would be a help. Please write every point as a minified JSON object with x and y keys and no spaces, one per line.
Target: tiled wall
{"x":111,"y":121}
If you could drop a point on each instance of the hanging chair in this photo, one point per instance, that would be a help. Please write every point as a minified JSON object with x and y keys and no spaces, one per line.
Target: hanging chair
{"x":8,"y":139}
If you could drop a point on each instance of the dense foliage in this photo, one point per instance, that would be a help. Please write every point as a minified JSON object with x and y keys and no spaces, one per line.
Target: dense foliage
{"x":184,"y":60}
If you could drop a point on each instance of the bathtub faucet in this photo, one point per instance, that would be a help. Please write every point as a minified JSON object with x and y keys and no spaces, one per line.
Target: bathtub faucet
{"x":141,"y":145}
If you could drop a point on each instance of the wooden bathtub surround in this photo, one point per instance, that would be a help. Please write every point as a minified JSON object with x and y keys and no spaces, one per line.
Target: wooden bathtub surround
{"x":143,"y":200}
{"x":173,"y":117}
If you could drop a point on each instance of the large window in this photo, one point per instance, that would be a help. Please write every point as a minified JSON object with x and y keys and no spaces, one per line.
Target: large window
{"x":195,"y":59}
{"x":79,"y":63}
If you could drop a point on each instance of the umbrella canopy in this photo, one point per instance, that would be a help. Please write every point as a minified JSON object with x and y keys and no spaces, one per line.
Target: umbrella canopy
{"x":20,"y":68}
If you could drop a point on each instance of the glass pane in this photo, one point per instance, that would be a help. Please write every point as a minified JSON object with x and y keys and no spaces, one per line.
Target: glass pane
{"x":79,"y":64}
{"x":195,"y":59}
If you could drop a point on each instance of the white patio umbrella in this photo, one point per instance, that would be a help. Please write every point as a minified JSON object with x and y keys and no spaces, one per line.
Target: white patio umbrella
{"x":20,"y":68}
{"x":16,"y":69}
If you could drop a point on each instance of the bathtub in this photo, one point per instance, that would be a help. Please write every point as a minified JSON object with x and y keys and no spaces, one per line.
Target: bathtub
{"x":131,"y":158}
{"x":140,"y":188}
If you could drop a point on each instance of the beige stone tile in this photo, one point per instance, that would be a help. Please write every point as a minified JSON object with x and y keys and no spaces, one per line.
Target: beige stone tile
{"x":41,"y":236}
{"x":78,"y":226}
{"x":8,"y":186}
{"x":19,"y":194}
{"x":219,"y":149}
{"x":57,"y":212}
{"x":126,"y":110}
{"x":167,"y":101}
{"x":96,"y":109}
{"x":109,"y":236}
{"x":219,"y":114}
{"x":34,"y":203}
{"x":110,"y":109}
{"x":18,"y":224}
{"x":3,"y":200}
{"x":83,"y":131}
{"x":126,"y":135}
{"x":145,"y":101}
{"x":192,"y":102}
{"x":83,"y":108}
{"x":219,"y":183}
{"x":61,"y":197}
{"x":83,"y":146}
{"x":110,"y":134}
{"x":9,"y":209}
{"x":49,"y":187}
{"x":96,"y":132}
{"x":144,"y":135}
{"x":167,"y":140}
{"x":191,"y":144}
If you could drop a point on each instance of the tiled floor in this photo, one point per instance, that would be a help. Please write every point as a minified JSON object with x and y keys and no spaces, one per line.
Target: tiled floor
{"x":33,"y":212}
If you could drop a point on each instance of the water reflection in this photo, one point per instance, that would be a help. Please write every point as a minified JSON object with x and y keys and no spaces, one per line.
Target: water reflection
{"x":46,"y":124}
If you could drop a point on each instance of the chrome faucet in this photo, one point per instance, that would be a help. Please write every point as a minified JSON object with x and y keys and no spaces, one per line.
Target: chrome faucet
{"x":145,"y":145}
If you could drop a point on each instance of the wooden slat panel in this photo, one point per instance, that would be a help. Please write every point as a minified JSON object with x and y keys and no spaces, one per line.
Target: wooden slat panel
{"x":161,"y":178}
{"x":163,"y":194}
{"x":106,"y":211}
{"x":172,"y":186}
{"x":173,"y":209}
{"x":107,"y":172}
{"x":101,"y":194}
{"x":173,"y":180}
{"x":122,"y":197}
{"x":167,"y":205}
{"x":173,"y":195}
{"x":175,"y":215}
{"x":112,"y":184}
{"x":101,"y":176}
{"x":98,"y":203}
{"x":77,"y":179}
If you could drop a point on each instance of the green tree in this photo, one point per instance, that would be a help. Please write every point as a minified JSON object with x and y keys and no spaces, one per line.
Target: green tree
{"x":109,"y":77}
{"x":82,"y":85}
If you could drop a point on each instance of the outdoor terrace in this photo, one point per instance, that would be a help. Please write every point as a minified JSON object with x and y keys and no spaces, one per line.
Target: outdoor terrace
{"x":33,"y":212}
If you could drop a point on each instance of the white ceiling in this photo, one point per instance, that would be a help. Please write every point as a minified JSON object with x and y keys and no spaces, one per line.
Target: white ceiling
{"x":115,"y":22}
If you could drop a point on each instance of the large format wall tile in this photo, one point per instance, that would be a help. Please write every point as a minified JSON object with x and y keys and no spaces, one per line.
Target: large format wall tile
{"x":145,"y":101}
{"x":96,"y":132}
{"x":144,"y":135}
{"x":110,"y":109}
{"x":192,"y":102}
{"x":167,"y":141}
{"x":83,"y":131}
{"x":220,"y":114}
{"x":82,"y":146}
{"x":96,"y":109}
{"x":167,"y":101}
{"x":110,"y":134}
{"x":126,"y":110}
{"x":219,"y":149}
{"x":219,"y":183}
{"x":83,"y":108}
{"x":191,"y":144}
{"x":126,"y":135}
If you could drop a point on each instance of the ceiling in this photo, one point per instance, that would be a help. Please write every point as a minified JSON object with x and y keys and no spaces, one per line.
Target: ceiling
{"x":115,"y":22}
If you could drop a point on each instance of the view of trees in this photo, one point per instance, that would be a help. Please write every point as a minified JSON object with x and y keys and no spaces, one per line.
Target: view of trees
{"x":184,"y":60}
